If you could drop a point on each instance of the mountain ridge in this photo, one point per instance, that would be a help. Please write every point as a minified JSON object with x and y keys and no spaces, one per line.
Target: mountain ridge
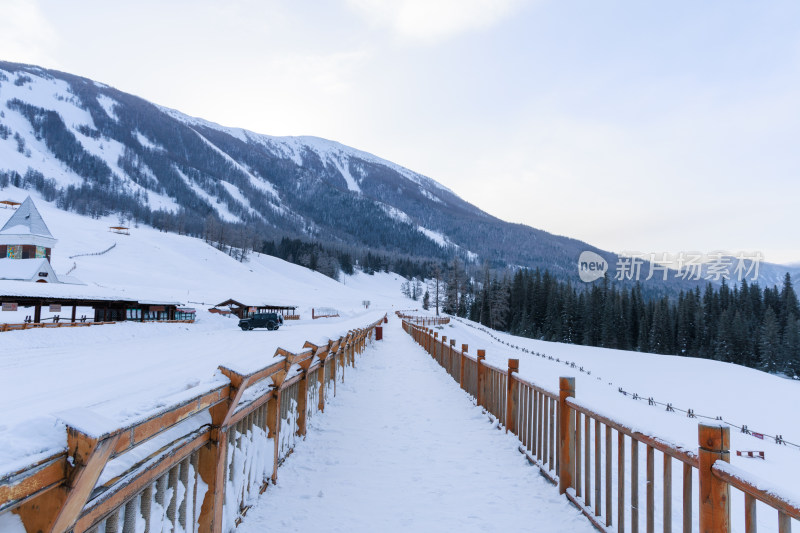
{"x":95,"y":150}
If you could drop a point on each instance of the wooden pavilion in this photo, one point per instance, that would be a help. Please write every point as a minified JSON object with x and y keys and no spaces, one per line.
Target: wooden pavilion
{"x":243,"y":310}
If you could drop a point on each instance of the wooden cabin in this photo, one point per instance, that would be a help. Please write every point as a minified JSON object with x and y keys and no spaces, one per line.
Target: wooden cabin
{"x":106,"y":305}
{"x":243,"y":310}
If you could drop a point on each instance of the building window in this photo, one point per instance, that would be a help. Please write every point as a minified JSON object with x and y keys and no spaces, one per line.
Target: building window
{"x":14,"y":251}
{"x":41,"y":252}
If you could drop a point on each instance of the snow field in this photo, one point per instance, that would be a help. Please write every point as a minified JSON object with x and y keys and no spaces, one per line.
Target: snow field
{"x":403,"y":449}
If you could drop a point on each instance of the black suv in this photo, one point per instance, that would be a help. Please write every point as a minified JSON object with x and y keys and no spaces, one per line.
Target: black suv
{"x":270,"y":321}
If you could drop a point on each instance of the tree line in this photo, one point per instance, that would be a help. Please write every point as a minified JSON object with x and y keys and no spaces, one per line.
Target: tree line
{"x":744,"y":324}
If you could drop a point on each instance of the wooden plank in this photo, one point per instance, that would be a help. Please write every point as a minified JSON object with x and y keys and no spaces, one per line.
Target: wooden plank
{"x":597,"y":469}
{"x":687,"y":498}
{"x":20,"y":486}
{"x":59,"y":510}
{"x":241,"y":413}
{"x":775,"y":501}
{"x":99,"y":507}
{"x":566,"y":436}
{"x":545,"y":432}
{"x":784,"y":523}
{"x":134,"y":435}
{"x":511,"y":396}
{"x":651,"y":498}
{"x":667,"y":494}
{"x":634,"y":486}
{"x":537,"y":425}
{"x":672,"y":450}
{"x":578,"y":480}
{"x":551,"y":438}
{"x":587,"y":488}
{"x":620,"y":482}
{"x":715,"y":510}
{"x":750,"y":518}
{"x":609,"y":475}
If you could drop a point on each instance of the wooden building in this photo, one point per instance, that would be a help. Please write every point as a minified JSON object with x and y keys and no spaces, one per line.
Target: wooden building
{"x":243,"y":310}
{"x":107,"y":305}
{"x":25,"y":235}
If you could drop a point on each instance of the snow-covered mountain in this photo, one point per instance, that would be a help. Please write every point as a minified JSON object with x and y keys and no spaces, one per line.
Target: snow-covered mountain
{"x":96,"y":150}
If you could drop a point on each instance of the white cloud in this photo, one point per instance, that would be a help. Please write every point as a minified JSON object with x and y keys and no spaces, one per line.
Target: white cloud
{"x":430,"y":21}
{"x":25,"y":33}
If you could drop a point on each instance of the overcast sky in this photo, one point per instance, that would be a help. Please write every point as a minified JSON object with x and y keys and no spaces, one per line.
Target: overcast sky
{"x":635,"y":126}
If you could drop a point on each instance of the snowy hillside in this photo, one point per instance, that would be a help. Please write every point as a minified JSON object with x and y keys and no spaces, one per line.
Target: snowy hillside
{"x":170,"y":267}
{"x":98,"y":151}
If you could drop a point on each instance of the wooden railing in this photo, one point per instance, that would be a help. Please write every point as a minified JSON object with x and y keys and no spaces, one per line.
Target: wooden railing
{"x":40,"y":325}
{"x":606,"y":468}
{"x":194,"y":466}
{"x":424,"y":320}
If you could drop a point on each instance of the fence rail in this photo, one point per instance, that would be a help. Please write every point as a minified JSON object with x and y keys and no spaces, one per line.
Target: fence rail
{"x":196,"y":466}
{"x":605,"y":468}
{"x":39,"y":325}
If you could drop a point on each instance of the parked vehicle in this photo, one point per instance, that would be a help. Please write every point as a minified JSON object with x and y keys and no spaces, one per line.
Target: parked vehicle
{"x":271,"y":321}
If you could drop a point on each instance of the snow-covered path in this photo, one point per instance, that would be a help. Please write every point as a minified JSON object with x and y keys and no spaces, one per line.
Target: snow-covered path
{"x":402,"y":448}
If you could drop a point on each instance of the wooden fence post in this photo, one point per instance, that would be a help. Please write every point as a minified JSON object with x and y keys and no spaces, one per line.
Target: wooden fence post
{"x":511,"y":395}
{"x":449,"y":366}
{"x":715,"y":494}
{"x":566,"y":428}
{"x":464,"y":350}
{"x":212,"y":466}
{"x":59,"y":509}
{"x":274,"y":429}
{"x":481,"y":396}
{"x":440,"y":356}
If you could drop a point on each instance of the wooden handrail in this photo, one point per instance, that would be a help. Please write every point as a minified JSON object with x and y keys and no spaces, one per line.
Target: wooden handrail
{"x":745,"y":482}
{"x":25,"y":488}
{"x":673,"y":450}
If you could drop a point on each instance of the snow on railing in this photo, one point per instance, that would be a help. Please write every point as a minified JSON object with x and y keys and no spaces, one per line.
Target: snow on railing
{"x":574,"y":447}
{"x":192,"y":466}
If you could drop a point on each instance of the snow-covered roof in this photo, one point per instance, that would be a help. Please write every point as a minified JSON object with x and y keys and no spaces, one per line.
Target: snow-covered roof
{"x":25,"y":289}
{"x":26,"y":220}
{"x":250,"y":298}
{"x":26,"y":269}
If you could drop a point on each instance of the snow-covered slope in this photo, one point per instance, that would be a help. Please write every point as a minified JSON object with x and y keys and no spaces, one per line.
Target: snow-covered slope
{"x":95,"y":150}
{"x":171,"y":267}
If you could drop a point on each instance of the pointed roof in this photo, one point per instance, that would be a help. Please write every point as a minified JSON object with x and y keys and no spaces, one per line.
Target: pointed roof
{"x":26,"y":269}
{"x":26,"y":220}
